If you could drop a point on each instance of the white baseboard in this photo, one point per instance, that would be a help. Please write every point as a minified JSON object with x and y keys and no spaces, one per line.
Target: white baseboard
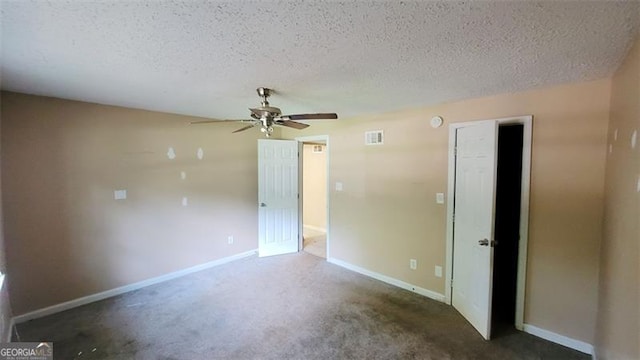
{"x":316,"y":228}
{"x":389,"y":280}
{"x":124,"y":289}
{"x":559,"y":339}
{"x":10,"y":332}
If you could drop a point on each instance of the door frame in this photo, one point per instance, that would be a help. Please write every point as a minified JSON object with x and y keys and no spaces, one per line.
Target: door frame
{"x":301,"y":140}
{"x":527,"y":122}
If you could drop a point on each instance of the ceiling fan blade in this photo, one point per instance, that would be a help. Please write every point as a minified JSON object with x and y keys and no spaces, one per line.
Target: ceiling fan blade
{"x":292,"y":124}
{"x":322,"y":116}
{"x":244,"y":128}
{"x":206,"y":122}
{"x":219,"y":121}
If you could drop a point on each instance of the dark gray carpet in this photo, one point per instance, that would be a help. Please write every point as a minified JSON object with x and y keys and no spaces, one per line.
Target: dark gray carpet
{"x":285,"y":307}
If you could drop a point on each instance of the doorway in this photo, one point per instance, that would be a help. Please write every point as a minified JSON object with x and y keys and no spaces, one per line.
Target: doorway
{"x":489,"y":236}
{"x":313,"y":195}
{"x":507,"y":227}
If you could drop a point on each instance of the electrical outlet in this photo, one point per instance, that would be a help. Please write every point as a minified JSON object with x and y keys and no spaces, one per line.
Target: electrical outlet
{"x":438,"y":271}
{"x":230,"y":239}
{"x":413,"y":264}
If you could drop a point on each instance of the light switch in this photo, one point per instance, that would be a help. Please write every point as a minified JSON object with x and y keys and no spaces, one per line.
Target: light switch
{"x":120,"y":194}
{"x":338,"y":186}
{"x":440,"y":198}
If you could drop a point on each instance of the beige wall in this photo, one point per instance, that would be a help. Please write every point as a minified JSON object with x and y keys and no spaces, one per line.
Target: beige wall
{"x":387,"y":212}
{"x":5,"y":307}
{"x":618,"y":332}
{"x":66,"y":236}
{"x":314,"y":187}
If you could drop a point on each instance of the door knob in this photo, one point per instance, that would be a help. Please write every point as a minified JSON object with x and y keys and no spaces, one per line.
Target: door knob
{"x":486,"y":242}
{"x":263,"y":205}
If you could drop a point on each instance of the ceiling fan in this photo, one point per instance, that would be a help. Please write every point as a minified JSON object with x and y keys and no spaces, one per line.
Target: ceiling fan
{"x":266,"y":116}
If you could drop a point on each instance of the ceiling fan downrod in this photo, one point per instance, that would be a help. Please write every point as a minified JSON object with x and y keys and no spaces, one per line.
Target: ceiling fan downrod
{"x":264,"y":93}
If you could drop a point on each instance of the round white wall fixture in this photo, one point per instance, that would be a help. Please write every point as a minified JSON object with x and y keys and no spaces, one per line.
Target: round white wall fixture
{"x":436,"y":122}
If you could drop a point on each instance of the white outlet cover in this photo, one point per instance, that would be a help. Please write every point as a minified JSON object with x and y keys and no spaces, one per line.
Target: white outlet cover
{"x":615,"y":135}
{"x":413,"y":264}
{"x":338,"y":186}
{"x":171,"y":153}
{"x":440,"y":198}
{"x":638,"y":185}
{"x":185,"y":201}
{"x":634,"y":138}
{"x":120,"y":194}
{"x":438,"y":271}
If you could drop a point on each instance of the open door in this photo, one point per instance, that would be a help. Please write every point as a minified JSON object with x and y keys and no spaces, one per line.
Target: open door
{"x":277,"y":197}
{"x":474,"y":206}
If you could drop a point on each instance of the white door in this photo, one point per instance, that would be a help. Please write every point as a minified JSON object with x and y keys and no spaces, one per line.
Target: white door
{"x":475,"y":173}
{"x":277,"y":197}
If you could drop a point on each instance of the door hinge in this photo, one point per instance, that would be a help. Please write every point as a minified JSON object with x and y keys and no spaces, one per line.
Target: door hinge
{"x":455,"y":151}
{"x":451,"y":284}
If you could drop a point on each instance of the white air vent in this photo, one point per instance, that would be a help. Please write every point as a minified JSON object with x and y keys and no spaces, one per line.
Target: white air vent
{"x":374,"y":137}
{"x":317,"y":149}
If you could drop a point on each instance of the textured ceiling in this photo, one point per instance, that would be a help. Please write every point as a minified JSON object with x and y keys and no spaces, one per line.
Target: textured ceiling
{"x":206,"y":58}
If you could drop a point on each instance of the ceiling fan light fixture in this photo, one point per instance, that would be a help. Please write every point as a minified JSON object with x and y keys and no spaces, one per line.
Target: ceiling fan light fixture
{"x":267,"y":130}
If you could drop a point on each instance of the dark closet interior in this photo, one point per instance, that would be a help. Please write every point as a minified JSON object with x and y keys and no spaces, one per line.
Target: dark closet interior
{"x":507,"y":228}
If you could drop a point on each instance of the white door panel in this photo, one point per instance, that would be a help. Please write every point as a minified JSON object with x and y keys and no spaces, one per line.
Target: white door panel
{"x":474,"y":218}
{"x":277,"y":197}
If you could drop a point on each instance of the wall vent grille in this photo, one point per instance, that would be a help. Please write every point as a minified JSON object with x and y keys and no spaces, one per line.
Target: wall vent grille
{"x":374,"y":137}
